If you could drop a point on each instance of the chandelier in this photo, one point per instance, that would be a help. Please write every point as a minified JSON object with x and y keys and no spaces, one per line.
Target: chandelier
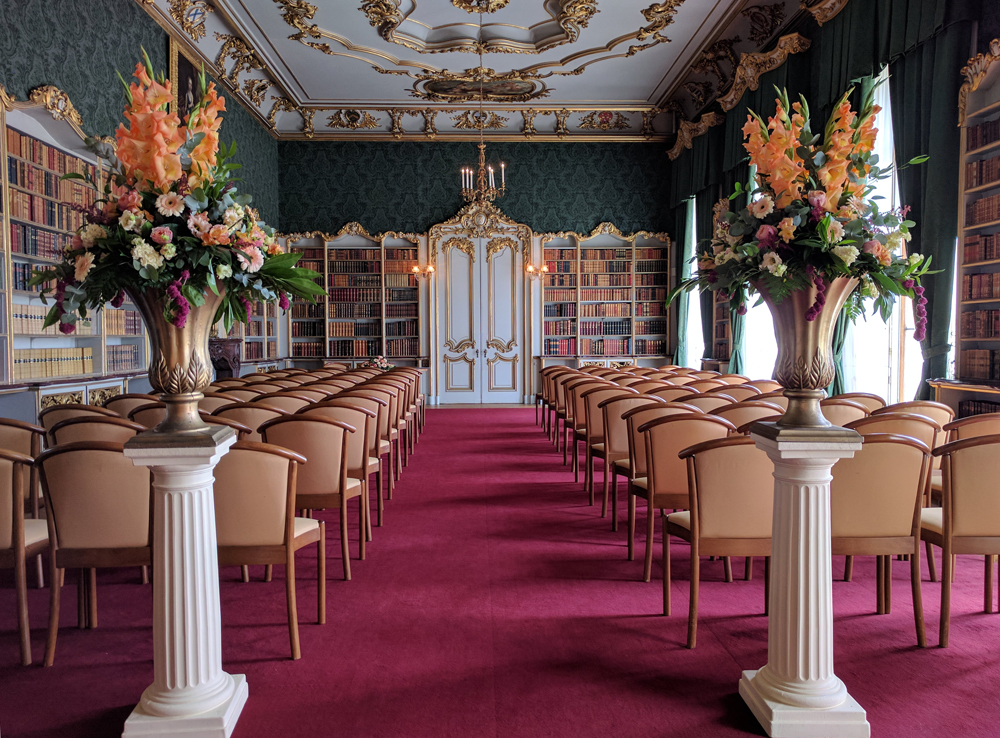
{"x":479,"y":185}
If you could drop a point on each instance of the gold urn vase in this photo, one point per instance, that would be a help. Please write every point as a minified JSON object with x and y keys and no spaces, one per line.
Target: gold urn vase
{"x":804,"y":366}
{"x":179,"y":363}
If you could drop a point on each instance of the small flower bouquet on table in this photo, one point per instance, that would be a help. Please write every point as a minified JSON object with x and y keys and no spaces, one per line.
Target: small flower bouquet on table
{"x":171,"y":222}
{"x":379,"y":362}
{"x":812,"y":218}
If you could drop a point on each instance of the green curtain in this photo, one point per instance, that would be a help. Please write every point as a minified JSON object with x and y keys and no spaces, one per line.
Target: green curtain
{"x":737,"y":342}
{"x":703,"y":204}
{"x":924,"y":86}
{"x":838,"y":386}
{"x":684,"y":246}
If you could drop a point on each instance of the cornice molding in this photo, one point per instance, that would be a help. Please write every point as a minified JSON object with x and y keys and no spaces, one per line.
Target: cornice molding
{"x":604,"y":228}
{"x":975,"y":72}
{"x":823,"y":11}
{"x":753,"y":65}
{"x":687,"y":131}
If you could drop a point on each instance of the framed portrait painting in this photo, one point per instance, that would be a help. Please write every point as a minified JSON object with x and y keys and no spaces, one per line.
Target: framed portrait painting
{"x":184,"y":76}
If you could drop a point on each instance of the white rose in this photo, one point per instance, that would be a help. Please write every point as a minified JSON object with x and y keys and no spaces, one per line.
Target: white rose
{"x":896,"y":239}
{"x":91,"y":233}
{"x":915,"y":259}
{"x":223,"y":271}
{"x":771,"y":262}
{"x":131,"y":221}
{"x":847,"y":254}
{"x":779,"y":271}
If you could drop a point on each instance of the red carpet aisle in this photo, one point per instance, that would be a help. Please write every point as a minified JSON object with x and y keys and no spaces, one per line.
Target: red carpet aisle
{"x":495,"y":602}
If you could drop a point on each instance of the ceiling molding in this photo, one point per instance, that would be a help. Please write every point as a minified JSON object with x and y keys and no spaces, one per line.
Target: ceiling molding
{"x":752,"y":66}
{"x":688,"y":131}
{"x":823,"y":11}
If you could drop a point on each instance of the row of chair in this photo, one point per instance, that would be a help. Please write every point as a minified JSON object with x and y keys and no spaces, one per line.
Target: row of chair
{"x":688,"y":455}
{"x":307,"y":441}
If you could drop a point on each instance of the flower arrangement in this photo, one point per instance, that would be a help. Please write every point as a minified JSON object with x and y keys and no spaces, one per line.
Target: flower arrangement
{"x":811,"y":218}
{"x":379,"y":362}
{"x":170,"y":220}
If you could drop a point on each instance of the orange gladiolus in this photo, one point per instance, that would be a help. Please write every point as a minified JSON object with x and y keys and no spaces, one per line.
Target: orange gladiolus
{"x":206,"y":120}
{"x":148,"y":147}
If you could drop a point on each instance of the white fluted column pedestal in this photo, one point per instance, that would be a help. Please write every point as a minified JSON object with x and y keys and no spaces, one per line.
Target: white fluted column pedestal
{"x":191,"y":696}
{"x":796,"y":694}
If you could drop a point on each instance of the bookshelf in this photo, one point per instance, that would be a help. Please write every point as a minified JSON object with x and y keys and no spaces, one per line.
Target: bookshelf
{"x":39,"y":144}
{"x":259,"y":335}
{"x":721,"y":332}
{"x":307,"y":321}
{"x":604,"y":296}
{"x":976,"y":388}
{"x":401,"y":320}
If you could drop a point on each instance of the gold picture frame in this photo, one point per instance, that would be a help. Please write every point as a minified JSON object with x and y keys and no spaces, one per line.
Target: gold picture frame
{"x":183,"y":77}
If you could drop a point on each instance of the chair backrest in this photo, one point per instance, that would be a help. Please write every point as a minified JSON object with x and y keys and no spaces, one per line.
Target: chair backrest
{"x":615,"y":427}
{"x":269,"y":387}
{"x":733,"y":378}
{"x":744,"y":430}
{"x":243,"y":394}
{"x":645,"y":385}
{"x":395,"y":398}
{"x":124,"y":404}
{"x":230,"y":382}
{"x":602,"y":371}
{"x":659,"y":375}
{"x":730,"y":488}
{"x":970,"y":470}
{"x":709,"y":402}
{"x":13,"y":475}
{"x":766,"y":385}
{"x":703,"y":385}
{"x":280,"y":382}
{"x":842,"y":412}
{"x":242,"y":431}
{"x":958,"y":430}
{"x":642,"y":371}
{"x":739,"y":392}
{"x":742,"y":413}
{"x":666,"y":437}
{"x":629,"y":381}
{"x":374,"y":401}
{"x":870,"y":402}
{"x":22,"y":438}
{"x":706,"y":374}
{"x":670,"y":393}
{"x":878,"y":492}
{"x":256,"y":377}
{"x":148,"y":415}
{"x":94,"y":428}
{"x":252,"y":415}
{"x":592,"y":399}
{"x":576,"y":410}
{"x":916,"y":426}
{"x":255,"y":495}
{"x":936,"y":411}
{"x":341,"y":384}
{"x":291,"y":402}
{"x":682,"y":380}
{"x":323,"y":443}
{"x":314,"y":395}
{"x":778,"y":398}
{"x":559,"y":382}
{"x":52,"y":415}
{"x":95,"y":496}
{"x":360,"y":445}
{"x":678,"y":369}
{"x":212,"y":401}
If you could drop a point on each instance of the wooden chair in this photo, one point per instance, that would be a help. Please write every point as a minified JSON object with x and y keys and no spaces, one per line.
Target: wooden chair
{"x":212,"y":401}
{"x":313,"y":395}
{"x":967,"y":521}
{"x":148,"y":415}
{"x":256,"y":377}
{"x":242,"y":431}
{"x":778,"y":398}
{"x":669,"y":394}
{"x":676,"y":369}
{"x":20,"y":539}
{"x":733,"y":378}
{"x":659,"y":376}
{"x":870,"y":402}
{"x":269,"y":387}
{"x":594,"y":426}
{"x":252,"y":415}
{"x":322,"y":479}
{"x":703,"y":385}
{"x":94,"y":428}
{"x":288,"y":401}
{"x":645,"y":385}
{"x":973,"y":427}
{"x":730,"y":495}
{"x":875,"y":503}
{"x":706,"y":374}
{"x":665,"y":438}
{"x":124,"y":404}
{"x":86,"y":485}
{"x":243,"y":394}
{"x":49,"y":416}
{"x":682,"y":380}
{"x":279,"y":382}
{"x":629,"y":381}
{"x":842,"y":412}
{"x":614,"y":449}
{"x":739,"y":392}
{"x":379,"y":405}
{"x":741,"y":413}
{"x":255,"y":522}
{"x":27,"y":439}
{"x":746,"y":428}
{"x":708,"y":403}
{"x":391,"y":398}
{"x":942,"y":415}
{"x":766,"y":385}
{"x":230,"y":383}
{"x":397,"y":413}
{"x":576,"y":417}
{"x":558,"y":403}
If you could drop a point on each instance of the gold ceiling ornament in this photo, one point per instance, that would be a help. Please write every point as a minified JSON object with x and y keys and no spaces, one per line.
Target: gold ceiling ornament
{"x":574,"y":16}
{"x":647,"y":122}
{"x":753,"y":66}
{"x":975,"y":72}
{"x":659,"y":16}
{"x":383,"y":15}
{"x":561,"y":117}
{"x":430,"y":130}
{"x":603,"y":120}
{"x":244,"y":58}
{"x":721,"y":50}
{"x":478,"y":121}
{"x":528,"y":116}
{"x":480,"y":6}
{"x":479,"y":83}
{"x":56,"y":103}
{"x":699,"y":91}
{"x":824,"y":10}
{"x":764,"y":20}
{"x":352,"y":120}
{"x":190,"y":15}
{"x":396,"y":122}
{"x":687,"y":131}
{"x":295,"y":13}
{"x":675,"y":107}
{"x":256,"y":89}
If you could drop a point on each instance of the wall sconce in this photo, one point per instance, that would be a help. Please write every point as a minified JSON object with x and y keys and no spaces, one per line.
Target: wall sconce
{"x":534,"y":272}
{"x":422,"y":272}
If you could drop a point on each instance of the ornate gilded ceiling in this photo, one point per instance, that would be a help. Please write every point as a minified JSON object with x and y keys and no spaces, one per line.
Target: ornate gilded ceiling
{"x":605,"y":70}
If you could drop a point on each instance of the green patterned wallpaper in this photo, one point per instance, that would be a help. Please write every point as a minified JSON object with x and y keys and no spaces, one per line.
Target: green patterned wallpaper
{"x":77,"y":46}
{"x":408,"y":186}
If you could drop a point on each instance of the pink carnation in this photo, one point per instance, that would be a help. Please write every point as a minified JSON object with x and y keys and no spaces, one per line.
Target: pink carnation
{"x":199,"y":224}
{"x":131,"y":200}
{"x":162,"y":235}
{"x":767,"y":235}
{"x":817,"y":198}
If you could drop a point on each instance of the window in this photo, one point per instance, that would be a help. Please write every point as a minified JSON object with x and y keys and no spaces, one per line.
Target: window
{"x":693,"y":337}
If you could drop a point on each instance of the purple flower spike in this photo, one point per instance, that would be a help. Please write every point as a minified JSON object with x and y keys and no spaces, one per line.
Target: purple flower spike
{"x":283,"y":301}
{"x":119,"y":299}
{"x":66,"y":328}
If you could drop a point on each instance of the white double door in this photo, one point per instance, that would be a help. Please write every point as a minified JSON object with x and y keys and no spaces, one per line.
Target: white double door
{"x":481,"y":294}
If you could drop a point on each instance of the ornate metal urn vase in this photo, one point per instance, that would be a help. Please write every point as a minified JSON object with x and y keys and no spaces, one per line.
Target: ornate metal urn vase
{"x":804,"y":366}
{"x":179,"y":363}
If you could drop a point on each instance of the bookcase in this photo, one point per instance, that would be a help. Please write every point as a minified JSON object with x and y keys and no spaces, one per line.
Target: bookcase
{"x":307,"y":321}
{"x":39,"y":142}
{"x":402,"y":298}
{"x":976,"y":388}
{"x":721,"y":335}
{"x":259,"y":334}
{"x":604,"y":295}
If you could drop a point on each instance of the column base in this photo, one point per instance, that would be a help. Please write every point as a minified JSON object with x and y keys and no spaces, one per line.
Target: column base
{"x":847,"y":720}
{"x":217,"y":723}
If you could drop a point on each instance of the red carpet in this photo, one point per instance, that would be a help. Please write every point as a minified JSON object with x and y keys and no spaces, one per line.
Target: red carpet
{"x":496,"y":602}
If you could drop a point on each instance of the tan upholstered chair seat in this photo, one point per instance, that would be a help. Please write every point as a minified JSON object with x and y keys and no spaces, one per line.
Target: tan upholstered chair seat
{"x":624,"y":465}
{"x":597,"y":446}
{"x":681,"y":519}
{"x":384,"y":446}
{"x":304,"y":525}
{"x":641,"y":483}
{"x":35,"y":531}
{"x":931,"y":518}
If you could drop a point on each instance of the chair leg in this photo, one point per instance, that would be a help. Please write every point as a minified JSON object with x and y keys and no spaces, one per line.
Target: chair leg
{"x":631,"y":523}
{"x":693,"y":607}
{"x":576,"y":459}
{"x":887,"y":597}
{"x":368,"y":509}
{"x":362,"y":527}
{"x":390,"y":476}
{"x":55,"y":588}
{"x":92,"y":599}
{"x":880,"y":585}
{"x":565,"y":439}
{"x":918,"y":601}
{"x":269,"y":568}
{"x":946,"y":566}
{"x":931,"y":563}
{"x":345,"y":547}
{"x":23,"y":622}
{"x":378,"y":493}
{"x":767,"y":585}
{"x":988,"y":591}
{"x":588,"y":475}
{"x":245,"y":573}
{"x":848,"y":568}
{"x":666,"y":569}
{"x":145,"y":575}
{"x":604,"y":503}
{"x":81,"y":599}
{"x":647,"y":571}
{"x":320,"y":574}
{"x":293,"y":610}
{"x":614,"y":498}
{"x":727,"y":564}
{"x":40,"y":572}
{"x":747,"y":568}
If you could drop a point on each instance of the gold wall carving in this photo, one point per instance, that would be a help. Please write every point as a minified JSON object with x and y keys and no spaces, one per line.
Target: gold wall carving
{"x":604,"y":120}
{"x":496,"y":245}
{"x":462,"y":244}
{"x":720,"y":51}
{"x":255,"y":90}
{"x":975,"y":72}
{"x":474,"y":120}
{"x":465,"y":343}
{"x":484,"y":6}
{"x":687,"y":131}
{"x":699,"y":91}
{"x":351,"y":120}
{"x":753,"y":66}
{"x":57,"y":103}
{"x":354,"y":229}
{"x":190,"y":16}
{"x":244,"y":58}
{"x":764,"y":20}
{"x":491,"y":365}
{"x":102,"y":395}
{"x":449,"y":361}
{"x":62,"y":398}
{"x":824,"y":10}
{"x":659,"y":16}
